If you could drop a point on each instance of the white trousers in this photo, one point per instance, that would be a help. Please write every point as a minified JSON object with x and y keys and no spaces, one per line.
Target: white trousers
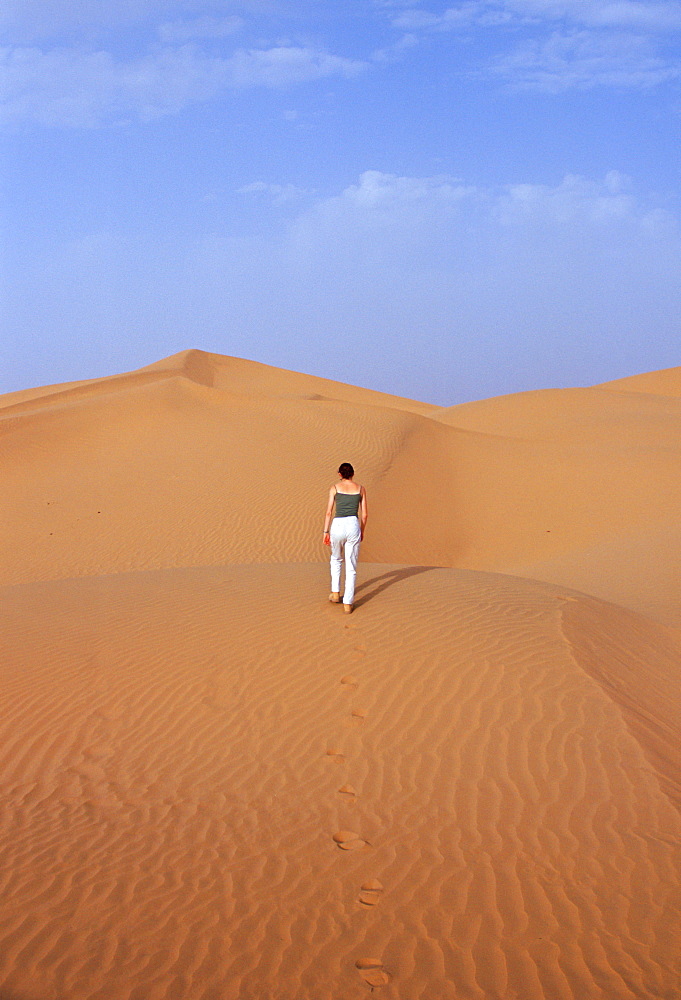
{"x":345,"y":535}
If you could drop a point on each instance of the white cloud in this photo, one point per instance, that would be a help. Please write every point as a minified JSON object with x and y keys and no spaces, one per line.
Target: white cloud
{"x":79,"y":88}
{"x":402,"y":224}
{"x":576,"y":200}
{"x":382,"y":201}
{"x":377,"y":191}
{"x":380,"y":221}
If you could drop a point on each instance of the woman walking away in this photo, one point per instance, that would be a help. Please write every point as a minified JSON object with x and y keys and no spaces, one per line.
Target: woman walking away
{"x":347,"y":531}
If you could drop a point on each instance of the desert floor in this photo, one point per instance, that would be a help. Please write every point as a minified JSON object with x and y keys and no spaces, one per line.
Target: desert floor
{"x":217,"y":786}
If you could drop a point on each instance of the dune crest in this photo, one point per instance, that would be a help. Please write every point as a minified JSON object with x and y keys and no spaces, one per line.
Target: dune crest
{"x":662,"y":383}
{"x":216,"y":787}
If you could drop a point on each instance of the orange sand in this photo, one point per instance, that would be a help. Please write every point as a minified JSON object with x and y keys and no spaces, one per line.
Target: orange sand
{"x":216,"y":786}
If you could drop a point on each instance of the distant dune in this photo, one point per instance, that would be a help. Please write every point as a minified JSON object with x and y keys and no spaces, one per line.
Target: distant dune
{"x":217,"y":787}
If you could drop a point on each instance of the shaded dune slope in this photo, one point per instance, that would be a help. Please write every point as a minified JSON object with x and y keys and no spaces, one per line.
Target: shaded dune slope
{"x":179,"y":749}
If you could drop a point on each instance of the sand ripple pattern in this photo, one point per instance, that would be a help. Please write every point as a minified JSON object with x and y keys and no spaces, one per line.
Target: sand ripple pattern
{"x":168,"y":804}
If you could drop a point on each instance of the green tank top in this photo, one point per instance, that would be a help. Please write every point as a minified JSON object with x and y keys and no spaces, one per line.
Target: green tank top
{"x":347,"y":504}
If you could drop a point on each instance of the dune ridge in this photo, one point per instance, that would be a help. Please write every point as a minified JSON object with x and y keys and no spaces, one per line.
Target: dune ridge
{"x":638,"y":664}
{"x":216,"y":787}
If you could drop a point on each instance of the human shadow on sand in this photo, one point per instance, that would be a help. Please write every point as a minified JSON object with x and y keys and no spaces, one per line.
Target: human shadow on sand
{"x":366,"y":592}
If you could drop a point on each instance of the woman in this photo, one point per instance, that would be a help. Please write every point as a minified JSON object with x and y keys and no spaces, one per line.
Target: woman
{"x":347,"y":530}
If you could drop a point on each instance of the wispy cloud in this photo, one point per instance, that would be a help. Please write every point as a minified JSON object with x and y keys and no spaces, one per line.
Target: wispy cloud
{"x":22,"y":22}
{"x":584,"y":59}
{"x":567,"y":43}
{"x":463,"y":15}
{"x":635,"y":14}
{"x":277,"y":193}
{"x":177,"y":32}
{"x":393,"y":52}
{"x":72,"y":87}
{"x":285,"y":65}
{"x":623,"y":14}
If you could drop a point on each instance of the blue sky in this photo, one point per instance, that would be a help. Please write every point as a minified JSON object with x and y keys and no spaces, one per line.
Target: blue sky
{"x":445,"y":201}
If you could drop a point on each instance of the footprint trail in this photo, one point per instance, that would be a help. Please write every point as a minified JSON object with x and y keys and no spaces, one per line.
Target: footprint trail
{"x":371,"y":970}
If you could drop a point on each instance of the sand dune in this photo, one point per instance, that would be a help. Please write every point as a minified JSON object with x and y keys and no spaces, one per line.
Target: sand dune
{"x":216,"y":787}
{"x":176,"y":465}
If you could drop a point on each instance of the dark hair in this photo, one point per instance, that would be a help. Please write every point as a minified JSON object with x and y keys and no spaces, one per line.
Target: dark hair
{"x":346,"y":471}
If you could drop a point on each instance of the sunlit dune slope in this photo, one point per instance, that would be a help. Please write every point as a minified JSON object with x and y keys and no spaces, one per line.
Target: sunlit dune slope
{"x":180,"y":748}
{"x":190,"y":462}
{"x":582,"y":487}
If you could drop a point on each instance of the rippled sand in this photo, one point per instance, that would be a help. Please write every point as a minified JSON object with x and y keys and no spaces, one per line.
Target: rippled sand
{"x":215,"y":785}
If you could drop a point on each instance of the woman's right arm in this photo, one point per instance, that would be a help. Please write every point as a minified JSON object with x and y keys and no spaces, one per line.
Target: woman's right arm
{"x":329,"y":513}
{"x":363,"y":512}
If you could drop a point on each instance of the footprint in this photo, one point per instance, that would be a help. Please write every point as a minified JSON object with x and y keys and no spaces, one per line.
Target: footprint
{"x":348,"y":791}
{"x":98,"y":751}
{"x":357,"y":717}
{"x":335,"y":752}
{"x":349,"y":681}
{"x":348,"y":840}
{"x":370,"y":892}
{"x":372,"y":971}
